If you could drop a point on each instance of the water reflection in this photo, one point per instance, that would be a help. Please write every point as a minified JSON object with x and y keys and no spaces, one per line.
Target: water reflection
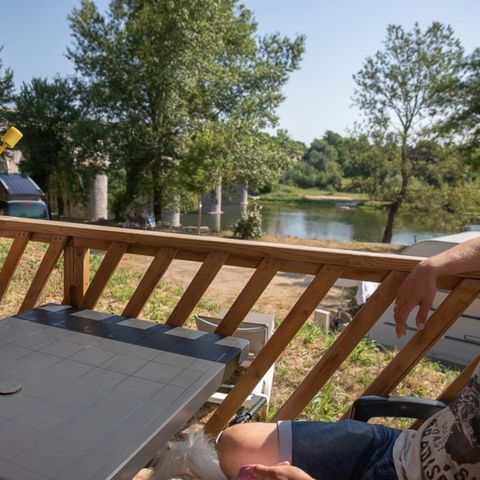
{"x":332,"y":223}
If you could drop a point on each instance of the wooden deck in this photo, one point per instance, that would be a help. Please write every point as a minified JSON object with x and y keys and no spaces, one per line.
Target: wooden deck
{"x":264,"y":260}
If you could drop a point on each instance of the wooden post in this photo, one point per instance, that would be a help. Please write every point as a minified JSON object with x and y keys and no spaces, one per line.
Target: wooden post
{"x":76,"y":274}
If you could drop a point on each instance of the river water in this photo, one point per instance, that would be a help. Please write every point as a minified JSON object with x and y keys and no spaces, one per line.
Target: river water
{"x":332,"y":223}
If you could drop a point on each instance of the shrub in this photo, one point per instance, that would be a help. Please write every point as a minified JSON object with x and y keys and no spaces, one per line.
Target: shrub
{"x":249,"y":225}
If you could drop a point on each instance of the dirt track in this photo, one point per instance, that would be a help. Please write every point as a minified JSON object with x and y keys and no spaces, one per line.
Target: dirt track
{"x":279,"y":296}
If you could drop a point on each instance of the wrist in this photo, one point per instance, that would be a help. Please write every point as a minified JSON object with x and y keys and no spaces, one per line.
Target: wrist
{"x":429,"y":268}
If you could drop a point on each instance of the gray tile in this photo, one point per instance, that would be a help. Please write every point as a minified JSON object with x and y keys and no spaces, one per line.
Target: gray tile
{"x":114,"y":441}
{"x":167,"y":395}
{"x":158,"y":372}
{"x":11,"y":322}
{"x":12,"y":471}
{"x":133,"y":386}
{"x":124,"y":364}
{"x":57,"y":379}
{"x":33,"y":342}
{"x":54,"y":308}
{"x":201,"y":365}
{"x":136,"y":323}
{"x":14,"y":406}
{"x":62,"y":348}
{"x":10,"y":355}
{"x":146,"y":414}
{"x":46,"y":417}
{"x":84,"y":466}
{"x":49,"y":456}
{"x":86,"y":428}
{"x":127,"y":397}
{"x":18,"y":324}
{"x":174,"y":359}
{"x":89,"y":388}
{"x":185,"y":333}
{"x":9,"y":335}
{"x":15,"y":438}
{"x":186,"y":378}
{"x":91,"y":315}
{"x":127,"y":349}
{"x":82,"y":338}
{"x":92,"y":356}
{"x":28,"y":368}
{"x":48,"y":330}
{"x":233,"y":342}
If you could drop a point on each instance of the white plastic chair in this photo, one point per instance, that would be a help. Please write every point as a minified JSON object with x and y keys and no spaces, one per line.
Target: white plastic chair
{"x":257,"y":329}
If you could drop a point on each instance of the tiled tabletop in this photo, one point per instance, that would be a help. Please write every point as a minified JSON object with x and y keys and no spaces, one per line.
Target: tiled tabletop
{"x":100,"y":393}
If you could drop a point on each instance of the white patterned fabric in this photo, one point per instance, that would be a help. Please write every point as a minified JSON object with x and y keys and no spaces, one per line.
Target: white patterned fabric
{"x":447,"y":446}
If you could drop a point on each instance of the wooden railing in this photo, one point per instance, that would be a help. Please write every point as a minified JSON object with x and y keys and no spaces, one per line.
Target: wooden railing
{"x":265,"y":260}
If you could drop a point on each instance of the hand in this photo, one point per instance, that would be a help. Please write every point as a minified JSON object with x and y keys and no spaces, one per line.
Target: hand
{"x":418,"y":288}
{"x":282,"y":471}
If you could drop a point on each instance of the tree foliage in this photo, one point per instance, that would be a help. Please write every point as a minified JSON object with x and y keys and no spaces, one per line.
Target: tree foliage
{"x":399,"y":91}
{"x":49,"y":116}
{"x":464,"y":101}
{"x":175,"y":78}
{"x":6,"y":88}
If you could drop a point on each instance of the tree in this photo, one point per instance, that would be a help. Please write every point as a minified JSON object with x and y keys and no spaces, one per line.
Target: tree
{"x":6,"y":87}
{"x":48,"y":115}
{"x":399,"y":91}
{"x":324,"y":158}
{"x":464,"y":121}
{"x":163,"y":72}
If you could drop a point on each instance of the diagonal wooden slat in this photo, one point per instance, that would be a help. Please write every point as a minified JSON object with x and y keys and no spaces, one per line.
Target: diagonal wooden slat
{"x":303,"y":308}
{"x":454,"y":388}
{"x":343,"y":346}
{"x":102,"y":276}
{"x":57,"y":244}
{"x":255,"y":286}
{"x":10,"y":264}
{"x":461,"y":381}
{"x":198,"y":286}
{"x":155,"y":272}
{"x":438,"y":323}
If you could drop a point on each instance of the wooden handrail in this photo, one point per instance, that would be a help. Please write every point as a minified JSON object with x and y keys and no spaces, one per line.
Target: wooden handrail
{"x":264,"y":260}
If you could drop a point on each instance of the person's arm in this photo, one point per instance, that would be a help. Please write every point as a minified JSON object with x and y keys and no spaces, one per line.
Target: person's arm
{"x":420,"y":286}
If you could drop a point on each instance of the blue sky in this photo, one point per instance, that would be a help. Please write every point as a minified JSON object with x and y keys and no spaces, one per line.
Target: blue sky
{"x":340,"y":34}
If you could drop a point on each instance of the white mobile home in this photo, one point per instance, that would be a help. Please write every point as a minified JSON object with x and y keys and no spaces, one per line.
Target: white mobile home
{"x":461,"y":343}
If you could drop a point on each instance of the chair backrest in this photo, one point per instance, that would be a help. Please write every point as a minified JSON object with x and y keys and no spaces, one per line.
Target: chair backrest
{"x":256,"y":333}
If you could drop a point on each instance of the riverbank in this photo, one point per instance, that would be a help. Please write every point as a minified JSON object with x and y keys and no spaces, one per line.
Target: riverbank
{"x":287,"y":194}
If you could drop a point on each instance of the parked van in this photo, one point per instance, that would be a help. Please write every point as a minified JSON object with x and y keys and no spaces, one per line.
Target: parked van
{"x":20,"y":196}
{"x":461,"y":343}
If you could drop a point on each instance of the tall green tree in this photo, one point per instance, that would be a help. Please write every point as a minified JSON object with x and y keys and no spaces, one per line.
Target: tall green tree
{"x":399,"y":91}
{"x":464,"y":121}
{"x":6,"y":88}
{"x":161,"y":70}
{"x":47,"y":113}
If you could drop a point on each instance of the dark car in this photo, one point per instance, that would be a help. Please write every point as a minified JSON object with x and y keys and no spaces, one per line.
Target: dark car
{"x":25,"y":208}
{"x":20,"y":196}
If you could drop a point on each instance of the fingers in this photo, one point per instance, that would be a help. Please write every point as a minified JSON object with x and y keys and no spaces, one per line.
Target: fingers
{"x":268,"y":472}
{"x":424,"y":310}
{"x":263,"y":472}
{"x":400,"y":315}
